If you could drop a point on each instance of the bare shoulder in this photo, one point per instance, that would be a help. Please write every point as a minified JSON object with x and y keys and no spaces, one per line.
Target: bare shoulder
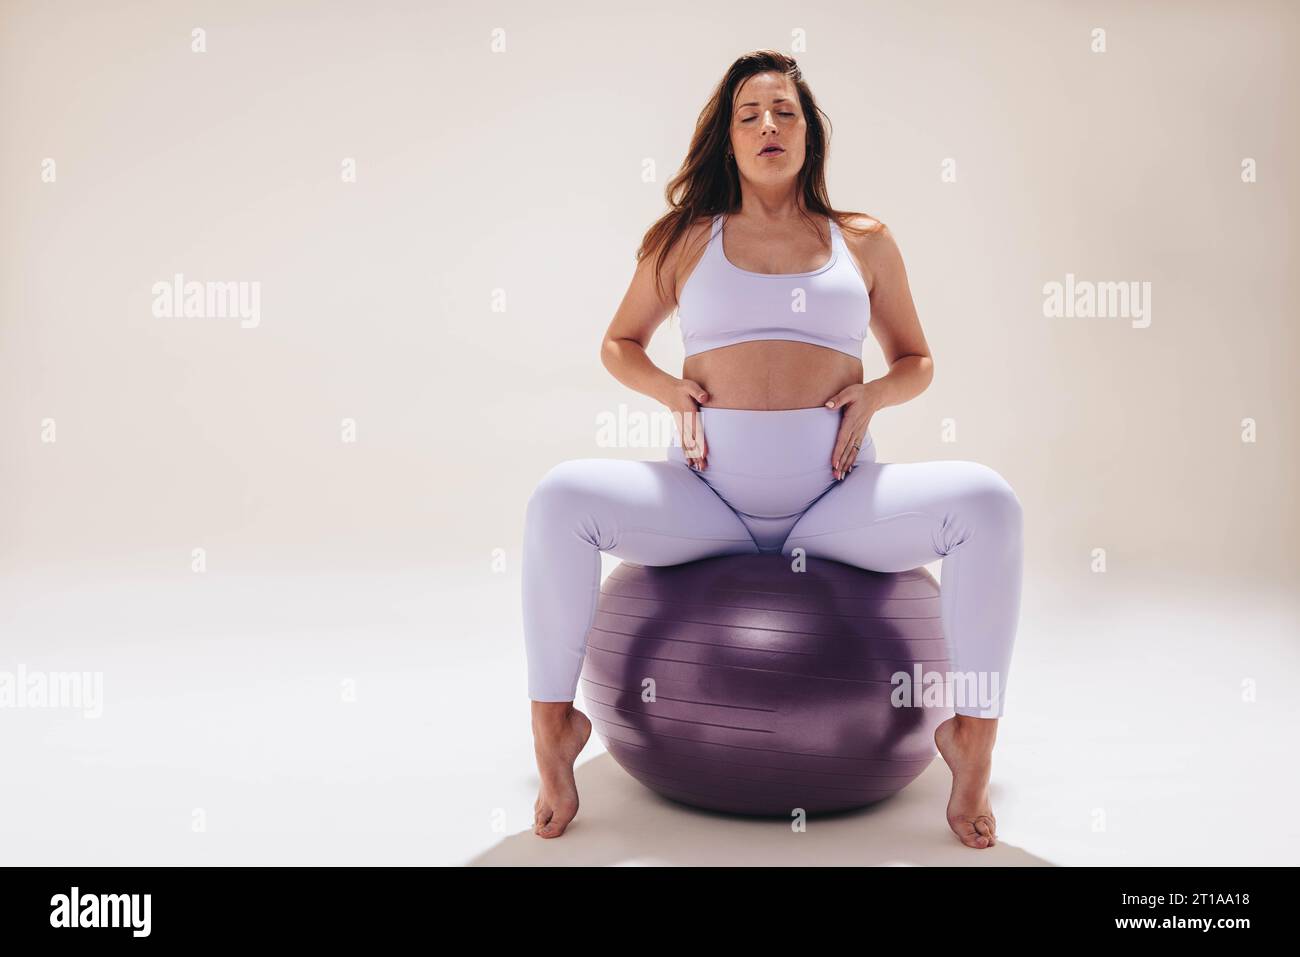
{"x":696,"y":237}
{"x":686,"y":253}
{"x":872,"y":246}
{"x":863,"y":235}
{"x":866,"y":235}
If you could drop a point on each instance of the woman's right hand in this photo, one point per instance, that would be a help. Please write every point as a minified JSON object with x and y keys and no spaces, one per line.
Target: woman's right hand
{"x":684,"y":400}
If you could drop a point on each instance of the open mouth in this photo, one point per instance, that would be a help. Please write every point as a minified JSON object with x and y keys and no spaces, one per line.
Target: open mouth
{"x":771,"y":150}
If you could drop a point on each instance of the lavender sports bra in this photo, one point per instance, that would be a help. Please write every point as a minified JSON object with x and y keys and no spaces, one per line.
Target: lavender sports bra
{"x":723,"y":304}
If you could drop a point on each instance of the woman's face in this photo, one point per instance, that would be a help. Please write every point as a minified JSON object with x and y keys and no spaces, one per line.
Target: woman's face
{"x":768,"y":128}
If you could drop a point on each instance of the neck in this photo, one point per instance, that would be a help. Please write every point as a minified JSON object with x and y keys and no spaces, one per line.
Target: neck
{"x":772,"y":204}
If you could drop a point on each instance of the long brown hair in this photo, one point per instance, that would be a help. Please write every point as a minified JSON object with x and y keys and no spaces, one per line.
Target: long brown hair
{"x":708,"y":184}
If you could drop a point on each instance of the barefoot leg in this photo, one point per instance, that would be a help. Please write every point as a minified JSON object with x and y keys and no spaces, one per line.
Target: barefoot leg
{"x":657,"y":513}
{"x":559,"y":733}
{"x":966,"y":744}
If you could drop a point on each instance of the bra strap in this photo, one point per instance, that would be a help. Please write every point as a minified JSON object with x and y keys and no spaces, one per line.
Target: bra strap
{"x":714,"y":245}
{"x":837,"y":237}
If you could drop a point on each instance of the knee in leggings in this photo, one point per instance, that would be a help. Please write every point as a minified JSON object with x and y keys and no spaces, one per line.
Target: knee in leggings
{"x":566,"y":498}
{"x":559,"y":488}
{"x":993,"y":497}
{"x":982,"y":499}
{"x":557,"y":478}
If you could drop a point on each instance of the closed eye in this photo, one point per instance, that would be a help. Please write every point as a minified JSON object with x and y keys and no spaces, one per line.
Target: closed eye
{"x":749,"y":118}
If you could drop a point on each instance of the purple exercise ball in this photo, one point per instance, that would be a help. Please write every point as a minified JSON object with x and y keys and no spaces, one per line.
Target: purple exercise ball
{"x":771,"y":687}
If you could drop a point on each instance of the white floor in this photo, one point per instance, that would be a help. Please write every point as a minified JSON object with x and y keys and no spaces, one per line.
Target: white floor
{"x":226,"y":738}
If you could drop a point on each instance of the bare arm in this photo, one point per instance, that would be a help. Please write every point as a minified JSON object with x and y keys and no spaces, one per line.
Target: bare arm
{"x":897,"y":329}
{"x":623,"y":350}
{"x":642,"y":311}
{"x":895,"y":325}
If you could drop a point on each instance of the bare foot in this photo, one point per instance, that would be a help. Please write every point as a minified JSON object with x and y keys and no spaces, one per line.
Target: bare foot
{"x":966,"y":744}
{"x":560,"y":732}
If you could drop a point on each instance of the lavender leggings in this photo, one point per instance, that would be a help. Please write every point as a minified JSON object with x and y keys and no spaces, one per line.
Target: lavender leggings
{"x":768,"y":488}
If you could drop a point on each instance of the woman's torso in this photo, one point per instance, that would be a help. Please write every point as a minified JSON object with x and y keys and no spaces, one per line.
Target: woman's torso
{"x":770,"y":374}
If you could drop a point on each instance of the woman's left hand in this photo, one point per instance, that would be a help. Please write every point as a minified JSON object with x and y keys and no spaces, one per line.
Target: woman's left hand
{"x":858,"y":405}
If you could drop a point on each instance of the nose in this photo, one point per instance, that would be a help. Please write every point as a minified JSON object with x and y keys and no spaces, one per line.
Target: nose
{"x":767,"y":120}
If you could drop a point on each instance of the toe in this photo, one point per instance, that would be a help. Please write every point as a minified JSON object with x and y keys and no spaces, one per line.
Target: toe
{"x":968,"y":834}
{"x":559,"y":820}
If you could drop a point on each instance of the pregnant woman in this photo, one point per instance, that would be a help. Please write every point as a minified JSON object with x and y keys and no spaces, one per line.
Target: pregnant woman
{"x":775,"y":291}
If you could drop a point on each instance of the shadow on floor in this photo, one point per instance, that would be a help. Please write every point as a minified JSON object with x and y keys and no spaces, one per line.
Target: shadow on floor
{"x":623,"y":823}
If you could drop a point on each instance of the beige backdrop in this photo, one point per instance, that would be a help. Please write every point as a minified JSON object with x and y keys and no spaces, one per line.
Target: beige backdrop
{"x":508,"y":156}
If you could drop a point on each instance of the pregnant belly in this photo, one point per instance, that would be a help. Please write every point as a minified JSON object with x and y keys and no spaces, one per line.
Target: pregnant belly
{"x":769,"y":465}
{"x":771,"y":374}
